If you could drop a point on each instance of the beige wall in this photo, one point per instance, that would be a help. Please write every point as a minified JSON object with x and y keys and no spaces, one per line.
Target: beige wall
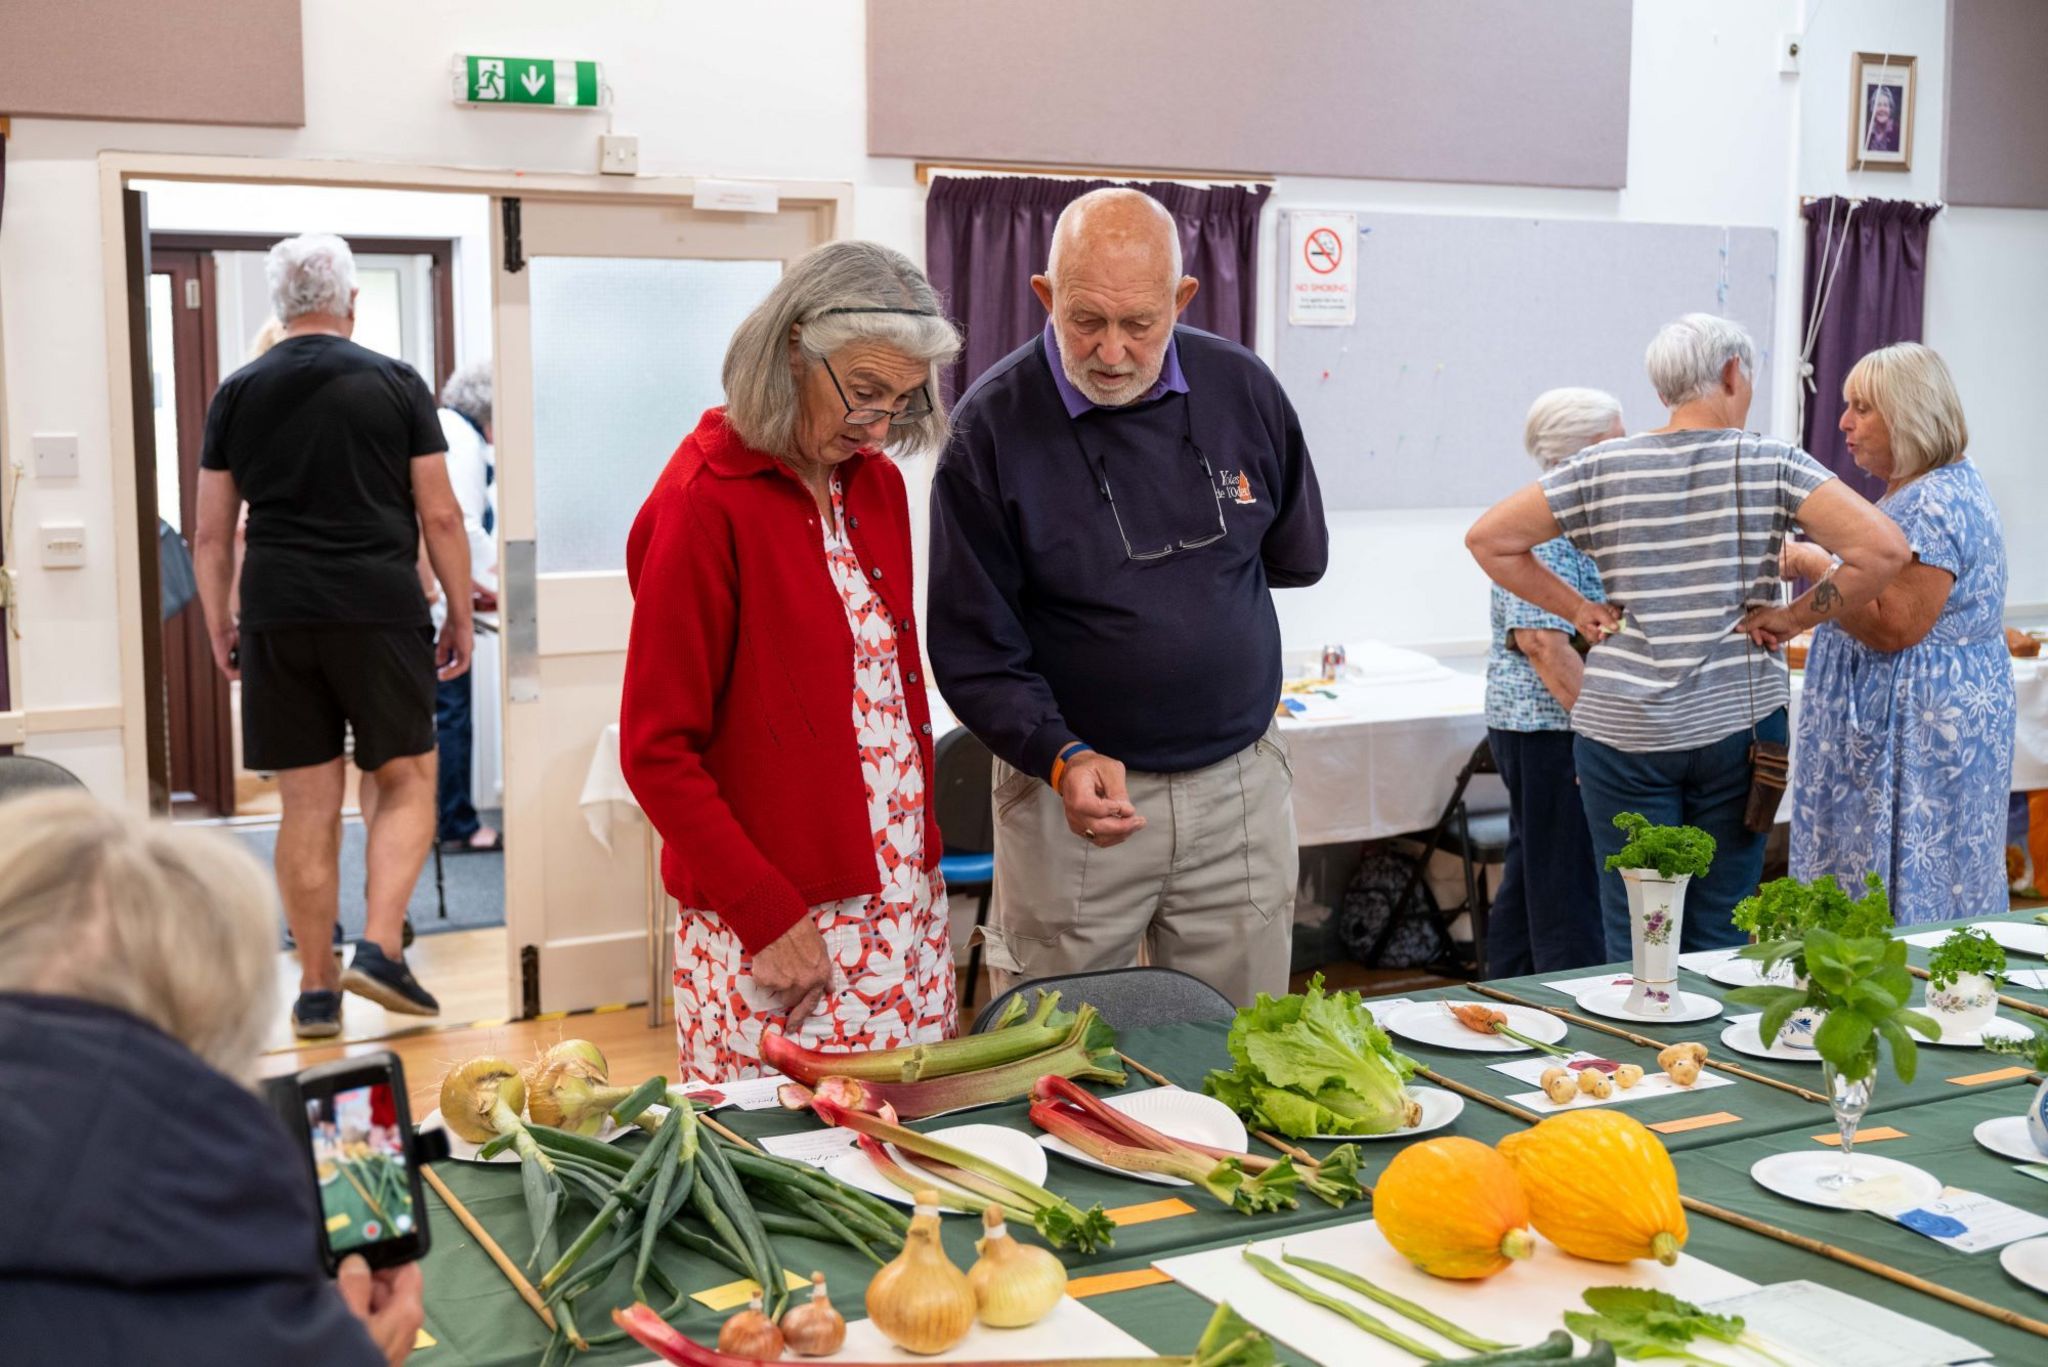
{"x":164,"y":61}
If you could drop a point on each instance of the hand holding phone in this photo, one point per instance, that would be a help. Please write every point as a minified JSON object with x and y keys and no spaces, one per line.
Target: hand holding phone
{"x":352,"y":1118}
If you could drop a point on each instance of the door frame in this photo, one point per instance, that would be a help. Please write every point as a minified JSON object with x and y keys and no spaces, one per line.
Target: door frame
{"x":833,"y":200}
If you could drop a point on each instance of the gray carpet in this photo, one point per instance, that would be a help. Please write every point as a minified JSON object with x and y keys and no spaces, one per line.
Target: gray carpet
{"x":475,"y":883}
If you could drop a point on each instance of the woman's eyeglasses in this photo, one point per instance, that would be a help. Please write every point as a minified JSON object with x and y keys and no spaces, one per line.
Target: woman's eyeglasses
{"x":914,"y":410}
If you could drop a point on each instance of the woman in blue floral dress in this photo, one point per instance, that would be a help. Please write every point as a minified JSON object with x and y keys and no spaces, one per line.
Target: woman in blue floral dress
{"x":1904,"y":752}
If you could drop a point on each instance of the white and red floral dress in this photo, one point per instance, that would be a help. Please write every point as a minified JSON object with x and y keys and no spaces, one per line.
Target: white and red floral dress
{"x":892,"y":955}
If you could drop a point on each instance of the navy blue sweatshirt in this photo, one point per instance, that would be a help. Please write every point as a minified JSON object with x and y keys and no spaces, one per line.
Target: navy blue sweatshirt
{"x":1044,"y":629}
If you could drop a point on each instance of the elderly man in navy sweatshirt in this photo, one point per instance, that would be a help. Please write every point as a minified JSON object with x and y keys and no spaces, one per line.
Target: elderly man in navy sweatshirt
{"x":1119,"y":496}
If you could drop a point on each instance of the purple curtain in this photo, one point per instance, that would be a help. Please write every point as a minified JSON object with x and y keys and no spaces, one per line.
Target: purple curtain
{"x":1876,"y":254}
{"x":986,"y":236}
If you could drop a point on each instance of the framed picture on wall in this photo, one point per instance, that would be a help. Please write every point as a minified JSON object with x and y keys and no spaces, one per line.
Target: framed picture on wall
{"x":1881,"y":102}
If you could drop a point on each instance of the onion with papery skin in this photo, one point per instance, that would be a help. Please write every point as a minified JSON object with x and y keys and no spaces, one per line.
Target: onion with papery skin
{"x":477,"y":1098}
{"x":920,"y":1301}
{"x":751,"y":1334}
{"x":1014,"y":1284}
{"x":814,"y":1328}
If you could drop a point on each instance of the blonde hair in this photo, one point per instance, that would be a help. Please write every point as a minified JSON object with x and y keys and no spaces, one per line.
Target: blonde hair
{"x":267,"y":336}
{"x":1910,"y":387}
{"x":177,"y":926}
{"x":1564,"y":422}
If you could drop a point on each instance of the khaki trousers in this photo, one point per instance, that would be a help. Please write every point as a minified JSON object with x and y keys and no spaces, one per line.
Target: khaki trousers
{"x":1206,"y":887}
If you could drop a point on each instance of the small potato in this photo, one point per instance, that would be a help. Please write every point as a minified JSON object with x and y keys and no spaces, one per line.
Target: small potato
{"x":1596,"y":1084}
{"x":1672,"y":1053}
{"x":1560,"y":1088}
{"x":1684,"y":1071}
{"x":1627,"y":1076}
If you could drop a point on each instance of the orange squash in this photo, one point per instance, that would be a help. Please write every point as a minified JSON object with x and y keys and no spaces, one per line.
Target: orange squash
{"x":1453,"y":1208}
{"x":1600,"y":1186}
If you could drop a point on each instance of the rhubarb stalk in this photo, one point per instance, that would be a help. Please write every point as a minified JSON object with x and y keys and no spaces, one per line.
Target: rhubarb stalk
{"x":1074,"y":1114}
{"x":1086,"y":1050}
{"x":1046,"y":1028}
{"x":1062,"y":1223}
{"x":911,"y":1184}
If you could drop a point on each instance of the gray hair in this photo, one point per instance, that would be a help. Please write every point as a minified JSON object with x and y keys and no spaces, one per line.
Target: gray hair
{"x":1072,"y":221}
{"x":761,"y":396}
{"x":312,"y":273}
{"x":1564,"y":422}
{"x":1686,"y":358}
{"x":174,"y":925}
{"x":468,"y":392}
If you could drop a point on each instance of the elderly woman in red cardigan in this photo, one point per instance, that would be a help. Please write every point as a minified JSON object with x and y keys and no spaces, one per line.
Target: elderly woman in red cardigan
{"x":774,"y":721}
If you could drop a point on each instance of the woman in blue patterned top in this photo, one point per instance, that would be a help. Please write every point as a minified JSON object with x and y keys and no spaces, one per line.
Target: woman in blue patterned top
{"x":1905,"y":743}
{"x":1547,"y":916}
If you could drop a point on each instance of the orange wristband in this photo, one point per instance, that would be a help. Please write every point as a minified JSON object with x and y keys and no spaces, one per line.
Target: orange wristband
{"x":1059,"y":764}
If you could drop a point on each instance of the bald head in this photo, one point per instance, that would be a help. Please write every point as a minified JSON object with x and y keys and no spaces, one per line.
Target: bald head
{"x":1114,"y":288}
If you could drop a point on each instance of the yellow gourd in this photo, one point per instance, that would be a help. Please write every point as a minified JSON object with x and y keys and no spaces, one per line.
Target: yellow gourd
{"x":1453,"y":1208}
{"x":1599,"y":1186}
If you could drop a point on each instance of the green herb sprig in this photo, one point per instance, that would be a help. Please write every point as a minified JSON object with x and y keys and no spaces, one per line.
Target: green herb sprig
{"x":1861,"y":983}
{"x":1670,"y":850}
{"x":1966,"y":950}
{"x":1786,"y":908}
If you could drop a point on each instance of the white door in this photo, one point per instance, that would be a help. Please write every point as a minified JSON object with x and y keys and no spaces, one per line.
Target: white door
{"x":612,"y":324}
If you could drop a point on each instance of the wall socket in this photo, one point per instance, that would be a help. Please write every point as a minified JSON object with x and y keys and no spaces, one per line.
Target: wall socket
{"x":618,"y":154}
{"x":63,"y":545}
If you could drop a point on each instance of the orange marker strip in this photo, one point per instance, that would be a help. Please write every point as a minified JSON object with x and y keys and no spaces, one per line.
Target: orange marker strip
{"x":1696,"y":1122}
{"x":1150,"y":1211}
{"x":1995,"y":1075}
{"x":1081,"y":1288}
{"x":1862,"y":1137}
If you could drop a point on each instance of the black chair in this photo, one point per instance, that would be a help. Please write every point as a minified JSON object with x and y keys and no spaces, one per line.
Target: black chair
{"x":1478,"y":839}
{"x":24,"y":774}
{"x":966,"y":814}
{"x":1128,"y":998}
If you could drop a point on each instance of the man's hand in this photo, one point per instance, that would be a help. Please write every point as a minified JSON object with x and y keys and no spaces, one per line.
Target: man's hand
{"x":452,"y":651}
{"x":387,"y":1301}
{"x":796,"y":968}
{"x":1596,"y":621}
{"x":226,"y":643}
{"x":1099,"y":809}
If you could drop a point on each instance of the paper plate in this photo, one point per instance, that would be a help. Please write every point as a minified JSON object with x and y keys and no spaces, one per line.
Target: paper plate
{"x":1439,"y":1108}
{"x":1998,"y":1027}
{"x":1797,"y":1176}
{"x":1175,"y":1113}
{"x":1433,"y":1023}
{"x":2007,"y":1137}
{"x":462,"y":1150}
{"x":2027,"y":1261}
{"x":1741,"y":1036}
{"x":998,"y":1144}
{"x":1609,"y":1002}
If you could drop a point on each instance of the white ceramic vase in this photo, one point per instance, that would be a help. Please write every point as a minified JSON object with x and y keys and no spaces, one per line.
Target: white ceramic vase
{"x":1656,"y":914}
{"x":2037,"y":1118}
{"x":1965,"y":1005}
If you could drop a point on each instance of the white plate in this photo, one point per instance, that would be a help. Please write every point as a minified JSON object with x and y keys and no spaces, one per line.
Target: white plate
{"x":1433,"y":1023}
{"x":1998,"y":1027}
{"x":464,"y":1151}
{"x":1439,"y":1108}
{"x":1797,"y":1176}
{"x":1741,"y":1036}
{"x":2007,"y":1137}
{"x":1175,"y":1113}
{"x":1748,"y":973}
{"x":998,"y":1144}
{"x":1608,"y":1002}
{"x":2027,"y":1261}
{"x":2017,"y":937}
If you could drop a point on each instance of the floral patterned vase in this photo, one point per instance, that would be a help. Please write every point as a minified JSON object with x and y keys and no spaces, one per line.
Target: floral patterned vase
{"x":2037,"y":1118}
{"x":1965,"y":1005}
{"x":1656,"y":911}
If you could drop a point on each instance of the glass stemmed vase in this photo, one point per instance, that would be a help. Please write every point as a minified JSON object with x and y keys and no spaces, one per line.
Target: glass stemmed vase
{"x":1850,"y":1098}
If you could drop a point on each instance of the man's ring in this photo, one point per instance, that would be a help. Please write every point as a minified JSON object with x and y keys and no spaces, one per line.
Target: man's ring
{"x":1088,"y":834}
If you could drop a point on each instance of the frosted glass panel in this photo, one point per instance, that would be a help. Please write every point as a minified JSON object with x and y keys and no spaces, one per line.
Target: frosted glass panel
{"x":378,"y":324}
{"x":626,"y":358}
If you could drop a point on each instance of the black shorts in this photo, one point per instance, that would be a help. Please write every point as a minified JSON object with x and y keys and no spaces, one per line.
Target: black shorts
{"x":301,"y":684}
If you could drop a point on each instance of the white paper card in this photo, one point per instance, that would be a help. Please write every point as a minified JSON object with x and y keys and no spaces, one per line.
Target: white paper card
{"x":1987,"y":1222}
{"x":1704,"y":960}
{"x":1826,"y":1325}
{"x":1055,"y":1336}
{"x":749,"y":1094}
{"x":1652,"y":1086}
{"x":2036,"y":978}
{"x":816,"y":1147}
{"x":1579,"y":987}
{"x":1926,"y":939}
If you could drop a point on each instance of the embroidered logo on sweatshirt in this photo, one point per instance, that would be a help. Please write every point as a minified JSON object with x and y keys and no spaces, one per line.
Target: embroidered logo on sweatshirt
{"x":1236,"y":486}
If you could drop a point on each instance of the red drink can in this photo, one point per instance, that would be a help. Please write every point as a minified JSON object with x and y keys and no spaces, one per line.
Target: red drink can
{"x":1333,"y":661}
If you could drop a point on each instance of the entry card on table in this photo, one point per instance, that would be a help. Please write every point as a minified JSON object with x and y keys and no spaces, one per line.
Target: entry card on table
{"x":2036,"y":978}
{"x":1825,"y":1325}
{"x":1579,"y":987}
{"x":1653,"y":1085}
{"x":1706,"y":960}
{"x":1969,"y":1222}
{"x":816,"y":1147}
{"x":1378,"y":1007}
{"x":749,"y":1094}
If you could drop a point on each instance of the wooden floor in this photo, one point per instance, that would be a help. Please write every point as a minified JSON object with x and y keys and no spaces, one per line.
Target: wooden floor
{"x":465,"y":969}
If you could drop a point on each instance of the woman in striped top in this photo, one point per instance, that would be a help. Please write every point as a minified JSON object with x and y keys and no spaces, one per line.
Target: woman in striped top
{"x":1686,"y":523}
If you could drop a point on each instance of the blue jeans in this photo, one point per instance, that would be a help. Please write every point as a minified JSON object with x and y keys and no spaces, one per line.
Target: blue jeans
{"x":452,"y":732}
{"x":1546,"y":917}
{"x":1707,"y":787}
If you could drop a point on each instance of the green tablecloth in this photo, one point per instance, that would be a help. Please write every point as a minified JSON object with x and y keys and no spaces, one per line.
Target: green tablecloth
{"x":476,"y":1319}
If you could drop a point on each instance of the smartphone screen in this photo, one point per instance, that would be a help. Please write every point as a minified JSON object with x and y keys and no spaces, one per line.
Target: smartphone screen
{"x":352,"y":1117}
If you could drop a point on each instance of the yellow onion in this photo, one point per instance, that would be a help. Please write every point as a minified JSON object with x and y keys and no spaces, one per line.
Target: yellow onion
{"x":1014,"y":1284}
{"x":920,"y":1301}
{"x":751,"y":1334}
{"x":478,"y":1095}
{"x":813,"y":1328}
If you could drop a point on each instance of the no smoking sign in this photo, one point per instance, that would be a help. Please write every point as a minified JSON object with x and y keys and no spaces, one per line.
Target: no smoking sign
{"x":1324,"y":251}
{"x":1322,"y":280}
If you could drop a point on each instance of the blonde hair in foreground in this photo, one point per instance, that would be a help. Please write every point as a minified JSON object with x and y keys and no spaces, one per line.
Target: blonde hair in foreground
{"x":174,"y":925}
{"x":1910,"y":387}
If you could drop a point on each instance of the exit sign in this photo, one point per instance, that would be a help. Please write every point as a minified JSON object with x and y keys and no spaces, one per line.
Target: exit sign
{"x":541,"y":81}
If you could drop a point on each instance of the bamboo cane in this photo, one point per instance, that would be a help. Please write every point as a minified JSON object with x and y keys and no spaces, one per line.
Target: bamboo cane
{"x":2014,"y":1002}
{"x":2011,"y":1318}
{"x":364,"y":1192}
{"x":1299,"y":1155}
{"x":490,"y":1248}
{"x":1732,"y":1069}
{"x":704,"y":1118}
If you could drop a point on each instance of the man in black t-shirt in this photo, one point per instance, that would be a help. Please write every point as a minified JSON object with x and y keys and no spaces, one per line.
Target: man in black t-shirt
{"x":339,"y":454}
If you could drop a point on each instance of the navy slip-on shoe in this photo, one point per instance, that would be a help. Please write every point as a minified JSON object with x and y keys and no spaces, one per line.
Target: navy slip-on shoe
{"x":387,"y":982}
{"x":317,"y":1015}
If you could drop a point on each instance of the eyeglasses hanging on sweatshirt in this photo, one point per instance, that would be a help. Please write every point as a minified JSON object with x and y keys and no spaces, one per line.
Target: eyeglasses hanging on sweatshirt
{"x":1197,"y":537}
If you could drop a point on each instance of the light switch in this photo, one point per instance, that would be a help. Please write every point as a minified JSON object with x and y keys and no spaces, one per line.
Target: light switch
{"x":56,"y":454}
{"x":63,"y":545}
{"x":618,"y":154}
